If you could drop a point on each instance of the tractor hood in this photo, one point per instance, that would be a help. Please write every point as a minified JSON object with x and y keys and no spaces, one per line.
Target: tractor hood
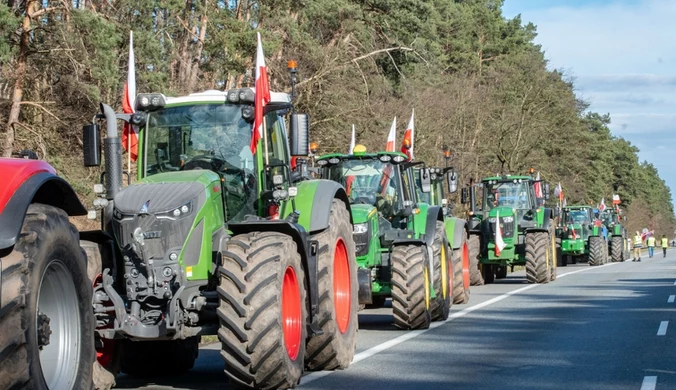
{"x":503,"y":210}
{"x":362,"y":212}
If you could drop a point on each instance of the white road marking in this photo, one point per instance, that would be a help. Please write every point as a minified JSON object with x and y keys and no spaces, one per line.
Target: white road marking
{"x":415,"y":333}
{"x":663,"y":328}
{"x":649,"y":383}
{"x":671,"y":299}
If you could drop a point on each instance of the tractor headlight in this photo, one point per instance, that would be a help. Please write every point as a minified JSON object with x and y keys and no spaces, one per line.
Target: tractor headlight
{"x":399,"y":159}
{"x":491,"y":220}
{"x":508,"y":219}
{"x":385,"y":158}
{"x":321,"y":163}
{"x":177,"y":212}
{"x":361,"y":228}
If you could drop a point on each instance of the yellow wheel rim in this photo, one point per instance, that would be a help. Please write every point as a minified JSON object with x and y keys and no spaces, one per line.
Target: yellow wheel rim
{"x":553,"y":252}
{"x":427,"y":288}
{"x":444,"y":271}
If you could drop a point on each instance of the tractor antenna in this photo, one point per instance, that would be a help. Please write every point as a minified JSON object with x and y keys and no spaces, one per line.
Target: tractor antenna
{"x":292,"y":66}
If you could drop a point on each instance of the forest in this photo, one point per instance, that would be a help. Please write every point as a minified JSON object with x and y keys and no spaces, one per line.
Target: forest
{"x":477,"y":81}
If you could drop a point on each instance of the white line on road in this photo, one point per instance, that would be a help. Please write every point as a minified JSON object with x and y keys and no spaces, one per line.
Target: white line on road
{"x":649,"y":383}
{"x":415,"y":333}
{"x":663,"y":328}
{"x":671,"y":299}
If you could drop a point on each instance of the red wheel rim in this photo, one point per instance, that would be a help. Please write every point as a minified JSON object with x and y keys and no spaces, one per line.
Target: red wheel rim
{"x":291,"y":313}
{"x":342,"y":286}
{"x":465,"y":266}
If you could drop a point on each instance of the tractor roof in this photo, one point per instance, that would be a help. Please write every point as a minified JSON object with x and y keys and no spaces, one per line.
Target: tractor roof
{"x":216,"y":96}
{"x":506,"y":178}
{"x":361,"y":156}
{"x":575,"y":207}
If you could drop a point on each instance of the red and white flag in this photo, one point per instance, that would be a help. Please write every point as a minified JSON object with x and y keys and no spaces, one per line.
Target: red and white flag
{"x":573,"y":234}
{"x":262,"y":96}
{"x":391,"y":137}
{"x":499,"y":243}
{"x":616,"y":199}
{"x":537,"y":186}
{"x":558,"y":191}
{"x":352,"y":142}
{"x":409,"y":135}
{"x":129,"y":136}
{"x":602,"y":206}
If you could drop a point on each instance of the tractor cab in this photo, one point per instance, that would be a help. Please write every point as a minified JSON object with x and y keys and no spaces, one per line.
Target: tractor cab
{"x":510,"y":195}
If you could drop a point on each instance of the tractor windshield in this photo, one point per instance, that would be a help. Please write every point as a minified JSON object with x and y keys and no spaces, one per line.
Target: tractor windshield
{"x":508,"y":194}
{"x":577,"y":216}
{"x":609,"y":218}
{"x":205,"y":136}
{"x":368,"y":182}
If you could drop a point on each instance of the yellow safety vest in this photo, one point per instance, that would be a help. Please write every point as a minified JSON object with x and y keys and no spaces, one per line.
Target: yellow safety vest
{"x":651,"y":241}
{"x":637,"y":240}
{"x":665,"y":243}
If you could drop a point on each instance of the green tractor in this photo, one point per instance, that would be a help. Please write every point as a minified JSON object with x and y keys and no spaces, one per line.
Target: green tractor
{"x":619,"y":240}
{"x":456,"y":228}
{"x":582,"y":236}
{"x":401,"y":244}
{"x":214,"y":239}
{"x":513,"y":227}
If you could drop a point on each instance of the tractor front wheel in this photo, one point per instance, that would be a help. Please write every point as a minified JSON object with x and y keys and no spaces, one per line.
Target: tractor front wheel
{"x":617,"y":249}
{"x":461,"y":273}
{"x":338,"y":295}
{"x":443,"y":264}
{"x":410,"y":287}
{"x":46,"y":317}
{"x":537,"y":248}
{"x":262,"y":311}
{"x":596,"y":250}
{"x":488,"y":273}
{"x":501,"y":272}
{"x":475,"y":275}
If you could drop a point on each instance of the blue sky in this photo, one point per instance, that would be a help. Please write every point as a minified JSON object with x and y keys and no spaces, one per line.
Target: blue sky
{"x":622,"y":55}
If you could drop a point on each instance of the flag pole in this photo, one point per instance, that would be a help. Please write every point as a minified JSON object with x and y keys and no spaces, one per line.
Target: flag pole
{"x":129,"y":152}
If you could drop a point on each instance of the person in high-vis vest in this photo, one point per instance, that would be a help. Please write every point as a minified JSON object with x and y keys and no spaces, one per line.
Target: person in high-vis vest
{"x":638,"y":244}
{"x":651,"y":246}
{"x":665,"y":245}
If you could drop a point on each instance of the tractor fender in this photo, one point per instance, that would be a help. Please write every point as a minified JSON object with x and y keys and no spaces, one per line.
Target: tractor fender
{"x":547,"y":221}
{"x":314,"y":203}
{"x":456,"y":228}
{"x":40,"y":186}
{"x":434,"y":214}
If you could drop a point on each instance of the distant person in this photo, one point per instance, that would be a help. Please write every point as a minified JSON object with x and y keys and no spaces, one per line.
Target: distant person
{"x":638,"y":244}
{"x":665,"y":244}
{"x":651,"y":246}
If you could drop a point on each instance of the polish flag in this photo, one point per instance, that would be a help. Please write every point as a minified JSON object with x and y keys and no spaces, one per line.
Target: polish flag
{"x":409,"y":135}
{"x":602,"y":206}
{"x":572,"y":231}
{"x":391,"y":138}
{"x":262,"y":96}
{"x":129,"y":136}
{"x":352,"y":142}
{"x":499,"y":243}
{"x":538,"y":187}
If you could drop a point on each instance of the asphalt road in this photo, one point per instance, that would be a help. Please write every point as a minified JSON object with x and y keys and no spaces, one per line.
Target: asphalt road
{"x":607,"y":327}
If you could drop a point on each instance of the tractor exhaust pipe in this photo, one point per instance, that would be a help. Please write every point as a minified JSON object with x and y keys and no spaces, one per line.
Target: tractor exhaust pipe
{"x":112,"y":147}
{"x":472,"y":196}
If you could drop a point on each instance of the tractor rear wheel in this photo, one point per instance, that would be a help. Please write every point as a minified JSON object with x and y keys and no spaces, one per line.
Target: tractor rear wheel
{"x":410,"y":287}
{"x":262,"y":311}
{"x":617,"y":249}
{"x":501,"y":272}
{"x":537,"y":247}
{"x":338,"y":295}
{"x":443,"y":263}
{"x":46,"y":317}
{"x":163,"y":357}
{"x":488,"y":273}
{"x":475,"y":274}
{"x":461,"y":273}
{"x":554,"y":253}
{"x":596,"y":251}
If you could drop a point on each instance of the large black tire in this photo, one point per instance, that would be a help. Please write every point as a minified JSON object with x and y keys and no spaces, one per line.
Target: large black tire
{"x":554,"y":253}
{"x":151,"y":358}
{"x":461,"y":271}
{"x":47,"y":261}
{"x":488,"y":273}
{"x":617,"y":249}
{"x":410,"y":293}
{"x":596,"y":250}
{"x":561,"y":259}
{"x":537,"y":247}
{"x":501,"y":272}
{"x":443,"y":263}
{"x":258,"y":351}
{"x":338,"y":295}
{"x":475,"y":275}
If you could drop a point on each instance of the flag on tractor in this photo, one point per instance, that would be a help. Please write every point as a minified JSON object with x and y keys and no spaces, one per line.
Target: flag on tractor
{"x":602,"y":206}
{"x":558,"y":191}
{"x":352,"y":141}
{"x":616,"y":199}
{"x":391,"y":137}
{"x":564,"y":202}
{"x":573,"y":234}
{"x":129,"y":136}
{"x":499,"y":243}
{"x":538,"y":187}
{"x":262,"y":91}
{"x":409,"y":135}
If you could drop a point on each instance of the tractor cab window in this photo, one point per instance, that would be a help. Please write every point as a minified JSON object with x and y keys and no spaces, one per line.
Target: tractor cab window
{"x":608,"y":218}
{"x":577,"y":217}
{"x":368,"y":182}
{"x":507,"y":194}
{"x":205,"y":136}
{"x":422,"y":196}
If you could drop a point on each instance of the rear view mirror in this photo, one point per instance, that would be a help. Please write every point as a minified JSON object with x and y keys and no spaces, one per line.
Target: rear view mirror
{"x":452,"y":179}
{"x":300,"y":134}
{"x":464,"y":195}
{"x":91,"y":145}
{"x":425,"y":181}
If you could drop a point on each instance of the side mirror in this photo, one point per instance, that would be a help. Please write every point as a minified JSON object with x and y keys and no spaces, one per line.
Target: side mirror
{"x":300,"y":134}
{"x":546,"y":191}
{"x":91,"y":145}
{"x":464,"y":195}
{"x":425,"y":181}
{"x":452,"y":178}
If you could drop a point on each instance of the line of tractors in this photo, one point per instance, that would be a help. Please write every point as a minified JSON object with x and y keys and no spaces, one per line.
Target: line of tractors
{"x":214,"y":239}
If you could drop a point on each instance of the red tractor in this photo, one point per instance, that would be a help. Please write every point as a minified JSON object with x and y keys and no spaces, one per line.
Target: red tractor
{"x":46,"y":318}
